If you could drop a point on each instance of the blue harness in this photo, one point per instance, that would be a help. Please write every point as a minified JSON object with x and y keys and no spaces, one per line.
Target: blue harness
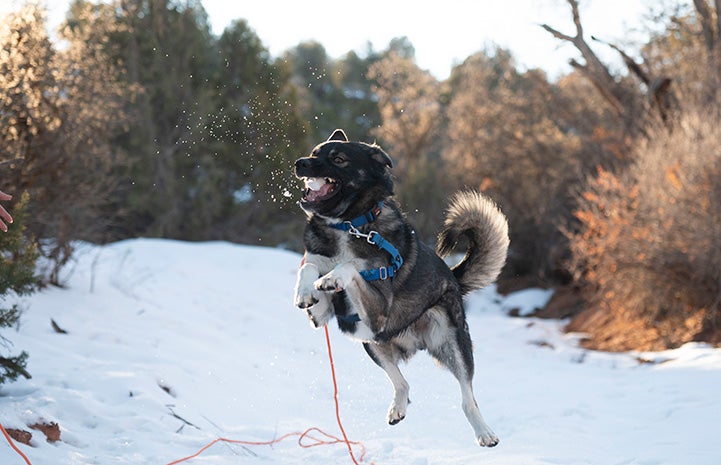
{"x":373,"y":237}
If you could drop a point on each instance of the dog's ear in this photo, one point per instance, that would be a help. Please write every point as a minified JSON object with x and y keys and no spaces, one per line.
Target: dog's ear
{"x":380,"y":156}
{"x":338,"y":135}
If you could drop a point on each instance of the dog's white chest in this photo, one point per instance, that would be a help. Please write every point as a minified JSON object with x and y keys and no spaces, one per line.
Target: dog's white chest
{"x":362,"y":333}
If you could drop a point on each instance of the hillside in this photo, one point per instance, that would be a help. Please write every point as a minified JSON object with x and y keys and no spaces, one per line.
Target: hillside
{"x":170,"y":345}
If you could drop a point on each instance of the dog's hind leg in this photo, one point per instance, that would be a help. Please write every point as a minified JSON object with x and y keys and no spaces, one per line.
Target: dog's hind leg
{"x":451,"y":347}
{"x":387,"y":356}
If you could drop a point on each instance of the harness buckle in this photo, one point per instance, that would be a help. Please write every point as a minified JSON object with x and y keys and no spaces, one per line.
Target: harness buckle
{"x":383,"y":272}
{"x":353,"y":231}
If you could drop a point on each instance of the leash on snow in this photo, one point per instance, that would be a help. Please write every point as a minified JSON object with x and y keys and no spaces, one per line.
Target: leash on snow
{"x":12,"y":444}
{"x":305,"y":438}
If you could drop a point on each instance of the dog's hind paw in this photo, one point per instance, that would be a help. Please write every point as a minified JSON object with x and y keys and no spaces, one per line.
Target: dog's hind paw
{"x":317,"y":306}
{"x":487,"y":439}
{"x":395,"y":414}
{"x":305,"y":301}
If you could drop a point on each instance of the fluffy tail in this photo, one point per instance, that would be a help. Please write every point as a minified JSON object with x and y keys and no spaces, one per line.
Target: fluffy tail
{"x":476,"y":217}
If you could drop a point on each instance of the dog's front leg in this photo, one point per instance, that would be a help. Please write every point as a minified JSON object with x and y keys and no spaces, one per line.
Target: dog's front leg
{"x":366,"y":300}
{"x":316,"y":304}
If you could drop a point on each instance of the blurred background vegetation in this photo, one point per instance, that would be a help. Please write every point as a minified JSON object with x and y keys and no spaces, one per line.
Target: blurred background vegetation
{"x":143,"y":123}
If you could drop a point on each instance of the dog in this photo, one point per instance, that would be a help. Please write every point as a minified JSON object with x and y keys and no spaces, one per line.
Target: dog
{"x":365,"y":265}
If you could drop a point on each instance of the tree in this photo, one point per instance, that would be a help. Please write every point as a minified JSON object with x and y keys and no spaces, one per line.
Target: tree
{"x":647,"y":255}
{"x":359,"y":115}
{"x":167,"y":51}
{"x":58,"y":112}
{"x":507,"y":136}
{"x":333,"y":93}
{"x":319,"y":97}
{"x":409,"y":103}
{"x":256,"y":133}
{"x":408,"y":100}
{"x":688,"y":51}
{"x":17,"y":278}
{"x":645,"y":244}
{"x":622,"y":95}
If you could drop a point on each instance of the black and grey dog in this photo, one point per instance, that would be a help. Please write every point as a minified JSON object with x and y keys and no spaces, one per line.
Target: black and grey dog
{"x":364,"y":265}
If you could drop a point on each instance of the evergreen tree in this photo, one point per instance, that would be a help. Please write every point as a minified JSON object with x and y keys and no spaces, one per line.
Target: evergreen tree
{"x":17,"y":278}
{"x":257,"y":132}
{"x":167,"y":50}
{"x":334,"y":93}
{"x":358,"y":110}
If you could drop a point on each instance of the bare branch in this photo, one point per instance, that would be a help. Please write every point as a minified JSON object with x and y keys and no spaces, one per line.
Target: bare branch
{"x":185,"y":422}
{"x":659,"y":90}
{"x":717,"y":5}
{"x":596,"y":71}
{"x":605,"y":93}
{"x":631,"y":64}
{"x":705,"y":17}
{"x":10,"y":364}
{"x":57,"y":328}
{"x":576,"y":18}
{"x":14,"y":161}
{"x":557,"y":34}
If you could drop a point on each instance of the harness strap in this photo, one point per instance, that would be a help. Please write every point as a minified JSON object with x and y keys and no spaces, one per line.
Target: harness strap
{"x":366,"y":218}
{"x":352,"y":318}
{"x":383,"y":272}
{"x":373,"y":237}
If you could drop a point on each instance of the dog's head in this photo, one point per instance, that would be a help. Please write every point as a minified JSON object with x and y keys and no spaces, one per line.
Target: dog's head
{"x":344,"y":179}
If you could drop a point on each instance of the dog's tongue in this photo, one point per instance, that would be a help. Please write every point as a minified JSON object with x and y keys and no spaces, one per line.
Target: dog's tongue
{"x":316,"y":194}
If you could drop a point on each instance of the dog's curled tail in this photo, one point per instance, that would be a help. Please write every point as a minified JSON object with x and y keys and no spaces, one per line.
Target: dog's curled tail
{"x":476,"y":217}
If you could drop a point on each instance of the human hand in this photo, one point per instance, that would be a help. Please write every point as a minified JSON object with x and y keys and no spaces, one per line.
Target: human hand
{"x":4,"y":215}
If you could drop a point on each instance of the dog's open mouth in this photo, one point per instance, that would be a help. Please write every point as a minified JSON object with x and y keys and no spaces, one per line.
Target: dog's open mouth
{"x":319,"y":189}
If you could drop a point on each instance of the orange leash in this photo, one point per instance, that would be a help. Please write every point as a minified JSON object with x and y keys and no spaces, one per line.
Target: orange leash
{"x":305,"y":436}
{"x":12,"y":444}
{"x":335,"y":399}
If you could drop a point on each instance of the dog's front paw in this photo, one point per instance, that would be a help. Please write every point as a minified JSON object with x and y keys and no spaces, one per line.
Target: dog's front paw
{"x":330,"y":283}
{"x":487,"y":438}
{"x":337,"y":280}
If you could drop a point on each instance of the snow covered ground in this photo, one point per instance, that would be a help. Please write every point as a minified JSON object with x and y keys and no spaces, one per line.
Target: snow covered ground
{"x":171,"y":345}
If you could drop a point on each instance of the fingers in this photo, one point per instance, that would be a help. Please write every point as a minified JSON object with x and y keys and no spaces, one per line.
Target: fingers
{"x":5,"y":217}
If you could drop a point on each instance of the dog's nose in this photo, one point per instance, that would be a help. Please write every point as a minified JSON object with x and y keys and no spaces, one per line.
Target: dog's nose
{"x":302,"y":163}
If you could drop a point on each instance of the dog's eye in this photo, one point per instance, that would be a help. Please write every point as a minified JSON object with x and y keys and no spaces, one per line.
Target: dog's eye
{"x":338,"y":160}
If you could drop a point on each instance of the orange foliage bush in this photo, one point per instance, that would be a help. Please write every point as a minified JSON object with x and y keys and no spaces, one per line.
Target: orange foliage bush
{"x":647,"y":254}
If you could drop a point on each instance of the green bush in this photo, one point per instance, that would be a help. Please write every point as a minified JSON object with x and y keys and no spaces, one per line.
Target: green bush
{"x":17,"y":278}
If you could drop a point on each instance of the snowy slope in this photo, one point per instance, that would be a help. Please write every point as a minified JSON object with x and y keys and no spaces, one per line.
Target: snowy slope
{"x":171,"y":345}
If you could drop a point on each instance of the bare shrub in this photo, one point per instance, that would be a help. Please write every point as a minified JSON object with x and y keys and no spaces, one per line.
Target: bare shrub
{"x":408,"y":102}
{"x":509,"y":136}
{"x":648,"y":253}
